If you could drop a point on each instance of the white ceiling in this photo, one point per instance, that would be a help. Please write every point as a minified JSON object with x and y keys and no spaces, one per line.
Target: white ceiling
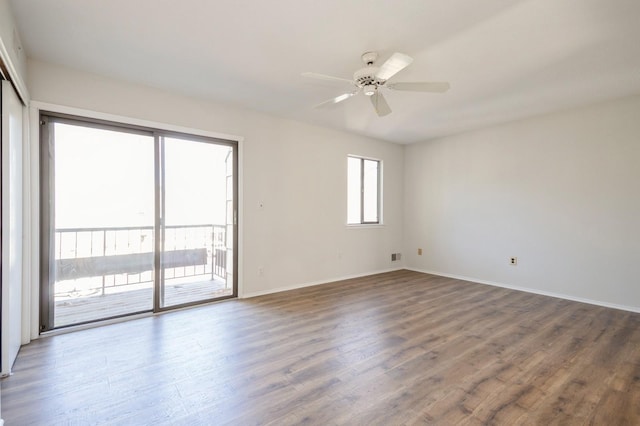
{"x":505,"y":59}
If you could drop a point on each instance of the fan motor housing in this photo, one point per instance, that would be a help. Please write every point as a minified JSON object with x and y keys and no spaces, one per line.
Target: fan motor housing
{"x":366,"y":76}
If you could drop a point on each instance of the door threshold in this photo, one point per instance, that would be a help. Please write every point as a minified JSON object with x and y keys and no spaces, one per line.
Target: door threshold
{"x":94,"y":324}
{"x":100,"y":323}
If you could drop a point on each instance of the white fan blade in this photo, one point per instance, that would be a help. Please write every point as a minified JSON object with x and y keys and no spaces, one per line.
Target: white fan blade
{"x":380,"y":104}
{"x":434,"y":87}
{"x":337,"y":99}
{"x":396,"y":63}
{"x":325,"y":77}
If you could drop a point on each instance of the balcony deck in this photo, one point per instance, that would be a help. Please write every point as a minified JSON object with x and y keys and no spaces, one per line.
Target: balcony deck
{"x":71,"y":310}
{"x":106,"y":272}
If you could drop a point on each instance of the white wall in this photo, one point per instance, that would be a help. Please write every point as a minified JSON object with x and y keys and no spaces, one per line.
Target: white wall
{"x":561,"y":192}
{"x":297,"y":171}
{"x":557,"y":191}
{"x":11,"y":51}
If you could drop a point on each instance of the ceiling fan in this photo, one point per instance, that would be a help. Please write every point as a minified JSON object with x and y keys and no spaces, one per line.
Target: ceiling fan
{"x":371,"y":79}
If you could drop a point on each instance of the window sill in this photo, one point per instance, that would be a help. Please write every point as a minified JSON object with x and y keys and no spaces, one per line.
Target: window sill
{"x":364,"y":225}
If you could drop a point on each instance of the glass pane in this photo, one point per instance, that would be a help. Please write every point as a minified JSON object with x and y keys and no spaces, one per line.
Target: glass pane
{"x":353,"y":190}
{"x":197,"y":253}
{"x":371,"y":190}
{"x":103,"y":227}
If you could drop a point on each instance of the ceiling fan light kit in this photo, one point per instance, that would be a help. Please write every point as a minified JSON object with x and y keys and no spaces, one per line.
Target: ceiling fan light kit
{"x":370,"y":79}
{"x":369,"y":89}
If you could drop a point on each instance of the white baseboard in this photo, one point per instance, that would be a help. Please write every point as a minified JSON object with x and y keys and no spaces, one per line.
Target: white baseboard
{"x":312,"y":283}
{"x":532,"y":290}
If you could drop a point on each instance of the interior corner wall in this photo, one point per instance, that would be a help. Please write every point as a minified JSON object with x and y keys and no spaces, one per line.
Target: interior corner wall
{"x":560,"y":192}
{"x":296,"y":172}
{"x":11,"y":51}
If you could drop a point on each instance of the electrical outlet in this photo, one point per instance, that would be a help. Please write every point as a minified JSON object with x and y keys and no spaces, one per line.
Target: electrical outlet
{"x":394,"y":257}
{"x":513,"y":261}
{"x":419,"y":252}
{"x":260,"y":272}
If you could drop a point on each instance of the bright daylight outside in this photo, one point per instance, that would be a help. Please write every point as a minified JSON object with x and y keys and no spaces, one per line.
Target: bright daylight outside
{"x":104,"y":213}
{"x":363,"y":180}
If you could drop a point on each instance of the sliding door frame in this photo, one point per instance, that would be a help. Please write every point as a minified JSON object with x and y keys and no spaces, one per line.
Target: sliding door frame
{"x":47,"y":208}
{"x":160,"y":215}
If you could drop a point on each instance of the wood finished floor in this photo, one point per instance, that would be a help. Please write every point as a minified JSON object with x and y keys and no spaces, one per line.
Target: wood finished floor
{"x":389,"y":349}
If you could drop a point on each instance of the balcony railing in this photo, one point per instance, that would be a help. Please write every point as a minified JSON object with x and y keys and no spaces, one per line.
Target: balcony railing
{"x":92,"y":261}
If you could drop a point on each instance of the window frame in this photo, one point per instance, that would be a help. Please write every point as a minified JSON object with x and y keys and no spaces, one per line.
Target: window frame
{"x":362,"y":222}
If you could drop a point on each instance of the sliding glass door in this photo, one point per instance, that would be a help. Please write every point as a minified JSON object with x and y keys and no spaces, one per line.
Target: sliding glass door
{"x":197,"y":246}
{"x":133,"y":220}
{"x":100,"y":220}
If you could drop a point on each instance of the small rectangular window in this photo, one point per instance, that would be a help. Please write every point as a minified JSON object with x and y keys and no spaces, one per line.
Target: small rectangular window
{"x":363,"y":191}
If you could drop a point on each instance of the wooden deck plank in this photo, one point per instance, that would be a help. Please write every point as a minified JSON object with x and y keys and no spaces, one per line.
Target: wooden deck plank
{"x":123,"y":301}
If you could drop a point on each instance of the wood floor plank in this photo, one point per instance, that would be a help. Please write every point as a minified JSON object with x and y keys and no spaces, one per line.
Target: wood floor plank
{"x":395,"y":348}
